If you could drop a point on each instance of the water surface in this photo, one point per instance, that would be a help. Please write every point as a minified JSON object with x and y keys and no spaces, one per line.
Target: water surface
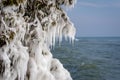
{"x":91,"y":58}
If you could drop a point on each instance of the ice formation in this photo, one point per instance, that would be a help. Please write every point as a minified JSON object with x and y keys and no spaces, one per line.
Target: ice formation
{"x":28,"y":29}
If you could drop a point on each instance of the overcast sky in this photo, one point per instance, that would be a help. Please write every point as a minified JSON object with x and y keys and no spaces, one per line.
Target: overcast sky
{"x":96,"y":17}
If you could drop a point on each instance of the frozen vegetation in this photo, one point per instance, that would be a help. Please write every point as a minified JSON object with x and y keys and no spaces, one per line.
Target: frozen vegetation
{"x":28,"y":30}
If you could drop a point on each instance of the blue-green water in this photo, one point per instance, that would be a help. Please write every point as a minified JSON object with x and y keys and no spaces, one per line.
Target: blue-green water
{"x":91,"y":58}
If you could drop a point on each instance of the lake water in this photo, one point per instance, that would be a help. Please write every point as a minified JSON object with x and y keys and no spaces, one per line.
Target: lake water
{"x":91,"y":58}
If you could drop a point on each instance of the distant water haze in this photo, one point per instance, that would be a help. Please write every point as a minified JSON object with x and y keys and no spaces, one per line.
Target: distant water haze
{"x":96,"y":17}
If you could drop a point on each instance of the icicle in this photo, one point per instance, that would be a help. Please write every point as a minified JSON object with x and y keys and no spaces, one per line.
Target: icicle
{"x":5,"y":63}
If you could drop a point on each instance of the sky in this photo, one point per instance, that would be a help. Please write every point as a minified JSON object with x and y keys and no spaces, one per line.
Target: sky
{"x":94,"y":18}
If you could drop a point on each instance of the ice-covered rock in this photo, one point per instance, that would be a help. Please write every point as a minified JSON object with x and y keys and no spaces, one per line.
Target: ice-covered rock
{"x":28,"y":30}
